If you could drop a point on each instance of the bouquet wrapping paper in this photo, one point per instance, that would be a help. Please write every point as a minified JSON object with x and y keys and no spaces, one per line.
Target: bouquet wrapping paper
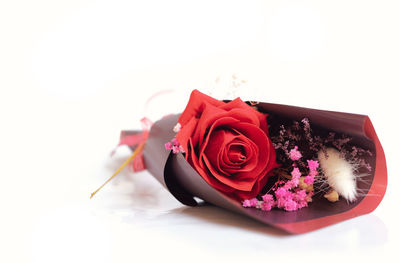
{"x":184,"y":183}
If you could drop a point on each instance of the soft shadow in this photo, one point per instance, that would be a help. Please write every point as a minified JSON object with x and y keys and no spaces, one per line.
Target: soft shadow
{"x":363,"y":232}
{"x":216,"y":215}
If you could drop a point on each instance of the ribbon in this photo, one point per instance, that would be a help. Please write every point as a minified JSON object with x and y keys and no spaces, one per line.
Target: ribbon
{"x":136,"y":141}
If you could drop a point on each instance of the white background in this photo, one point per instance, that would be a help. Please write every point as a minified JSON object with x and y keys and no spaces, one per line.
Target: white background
{"x":74,"y":73}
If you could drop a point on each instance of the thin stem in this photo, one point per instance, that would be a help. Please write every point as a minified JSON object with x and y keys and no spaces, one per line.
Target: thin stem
{"x":135,"y":153}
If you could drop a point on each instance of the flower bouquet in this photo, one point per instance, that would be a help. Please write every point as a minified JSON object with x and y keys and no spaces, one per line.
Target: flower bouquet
{"x":293,"y":168}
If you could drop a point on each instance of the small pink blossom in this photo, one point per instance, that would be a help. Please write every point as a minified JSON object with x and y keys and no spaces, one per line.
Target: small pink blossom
{"x":268,"y":198}
{"x":295,"y":154}
{"x":301,"y":198}
{"x":168,"y":146}
{"x":246,"y":203}
{"x":266,"y":206}
{"x":296,"y":173}
{"x":300,"y":195}
{"x":309,"y":180}
{"x":281,"y":192}
{"x":250,"y":202}
{"x":253,"y":202}
{"x":290,"y":205}
{"x":301,"y":204}
{"x":175,"y":149}
{"x":288,"y":185}
{"x":288,"y":196}
{"x":175,"y":146}
{"x":295,"y":179}
{"x":291,"y":184}
{"x":280,"y":202}
{"x":313,"y":165}
{"x":282,"y":197}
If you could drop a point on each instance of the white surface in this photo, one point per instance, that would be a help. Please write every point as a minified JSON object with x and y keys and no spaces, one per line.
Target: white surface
{"x":75,"y":73}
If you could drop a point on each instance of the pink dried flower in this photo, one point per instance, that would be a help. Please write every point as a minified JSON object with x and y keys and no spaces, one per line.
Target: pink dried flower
{"x":301,"y":198}
{"x":253,"y":202}
{"x":281,"y":192}
{"x":295,"y":179}
{"x":282,"y":197}
{"x":289,"y":185}
{"x":168,"y":146}
{"x":300,"y":195}
{"x":313,"y":165}
{"x":280,"y":202}
{"x":175,"y":146}
{"x":288,"y":196}
{"x":250,"y":202}
{"x":268,"y":198}
{"x":175,"y":149}
{"x":246,"y":203}
{"x":288,"y":199}
{"x":309,"y":180}
{"x":266,"y":206}
{"x":302,"y":204}
{"x":295,"y":154}
{"x":290,"y":205}
{"x":296,"y":173}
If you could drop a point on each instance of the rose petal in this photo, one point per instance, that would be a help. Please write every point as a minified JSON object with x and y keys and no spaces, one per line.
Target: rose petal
{"x":244,"y":184}
{"x":196,"y":105}
{"x":236,"y":153}
{"x":227,"y":144}
{"x":256,"y":135}
{"x":247,"y":165}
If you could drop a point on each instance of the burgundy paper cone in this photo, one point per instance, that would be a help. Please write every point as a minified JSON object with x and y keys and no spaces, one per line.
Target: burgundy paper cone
{"x":176,"y":174}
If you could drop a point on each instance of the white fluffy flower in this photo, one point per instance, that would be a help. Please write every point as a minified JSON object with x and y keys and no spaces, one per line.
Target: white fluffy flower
{"x":339,"y":173}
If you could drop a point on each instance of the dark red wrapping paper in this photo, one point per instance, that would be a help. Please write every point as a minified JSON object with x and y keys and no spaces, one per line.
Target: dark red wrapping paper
{"x":184,"y":182}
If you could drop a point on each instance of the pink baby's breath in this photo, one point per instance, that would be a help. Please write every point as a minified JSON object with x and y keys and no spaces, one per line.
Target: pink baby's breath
{"x":246,"y":203}
{"x":313,"y":165}
{"x":175,"y":146}
{"x":168,"y":146}
{"x":295,"y":154}
{"x":281,"y":192}
{"x":266,"y":206}
{"x":296,"y":173}
{"x":301,"y":198}
{"x":288,"y":195}
{"x":309,"y":180}
{"x":254,"y":202}
{"x":290,"y":205}
{"x":175,"y":149}
{"x":268,"y":198}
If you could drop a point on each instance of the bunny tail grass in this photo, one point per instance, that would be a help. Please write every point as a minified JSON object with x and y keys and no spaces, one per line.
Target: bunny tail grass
{"x":339,"y":173}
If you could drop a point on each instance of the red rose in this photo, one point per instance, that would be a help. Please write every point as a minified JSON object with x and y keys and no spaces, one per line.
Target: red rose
{"x":227,"y":144}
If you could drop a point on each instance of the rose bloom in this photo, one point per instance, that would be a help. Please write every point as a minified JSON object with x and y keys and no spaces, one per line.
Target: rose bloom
{"x":227,"y":144}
